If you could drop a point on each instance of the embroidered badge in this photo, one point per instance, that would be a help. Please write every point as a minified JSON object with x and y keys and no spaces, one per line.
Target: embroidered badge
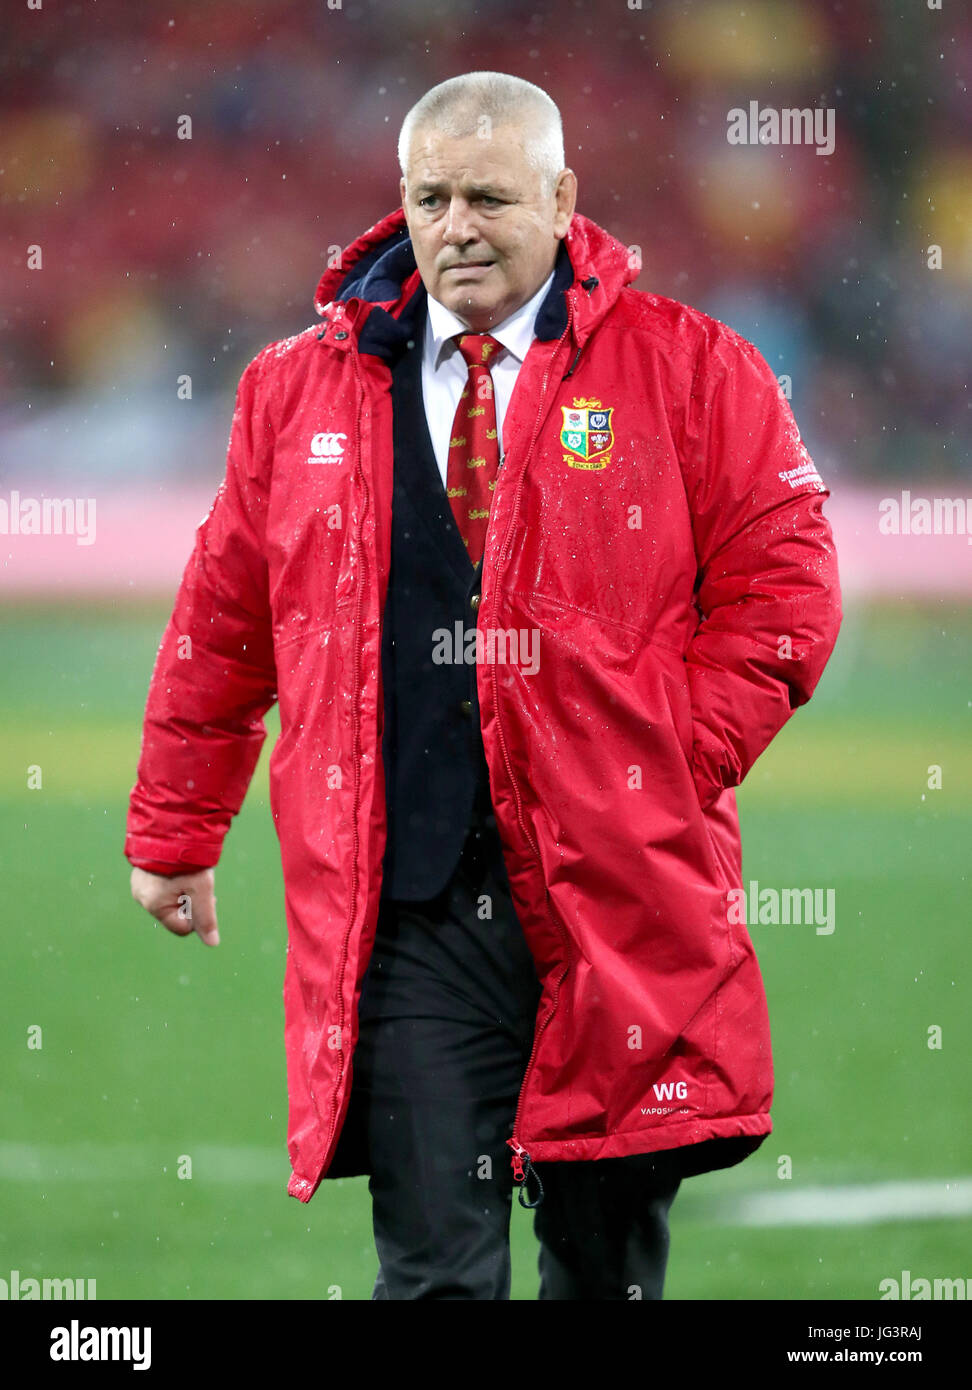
{"x":587,"y":433}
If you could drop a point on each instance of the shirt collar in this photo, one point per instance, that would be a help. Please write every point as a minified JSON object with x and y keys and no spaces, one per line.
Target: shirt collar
{"x":514,"y":333}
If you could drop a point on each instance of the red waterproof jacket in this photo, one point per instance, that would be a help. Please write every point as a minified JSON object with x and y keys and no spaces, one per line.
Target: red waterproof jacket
{"x":658,"y":522}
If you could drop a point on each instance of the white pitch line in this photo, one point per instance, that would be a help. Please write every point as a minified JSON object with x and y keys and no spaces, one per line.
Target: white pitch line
{"x":90,"y":1162}
{"x":922,"y":1199}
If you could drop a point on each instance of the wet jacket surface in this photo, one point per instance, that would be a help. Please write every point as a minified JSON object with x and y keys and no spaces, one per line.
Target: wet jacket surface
{"x":657,"y":527}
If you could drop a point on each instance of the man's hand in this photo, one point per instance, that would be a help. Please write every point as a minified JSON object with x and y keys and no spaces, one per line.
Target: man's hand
{"x":184,"y":904}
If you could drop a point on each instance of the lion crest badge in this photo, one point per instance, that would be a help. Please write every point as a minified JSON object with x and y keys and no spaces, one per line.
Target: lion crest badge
{"x":587,"y":432}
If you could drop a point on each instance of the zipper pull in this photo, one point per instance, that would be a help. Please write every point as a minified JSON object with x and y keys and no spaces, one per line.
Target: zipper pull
{"x":522,"y":1168}
{"x":519,"y":1154}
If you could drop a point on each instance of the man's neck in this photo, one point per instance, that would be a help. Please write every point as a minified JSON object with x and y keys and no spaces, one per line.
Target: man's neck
{"x":445,"y":322}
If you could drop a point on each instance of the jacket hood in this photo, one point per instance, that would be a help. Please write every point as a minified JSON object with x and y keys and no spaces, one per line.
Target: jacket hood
{"x":378,"y":270}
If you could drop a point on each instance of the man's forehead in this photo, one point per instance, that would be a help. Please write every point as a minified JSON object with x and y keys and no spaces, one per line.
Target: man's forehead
{"x":432,"y":180}
{"x":435,"y":158}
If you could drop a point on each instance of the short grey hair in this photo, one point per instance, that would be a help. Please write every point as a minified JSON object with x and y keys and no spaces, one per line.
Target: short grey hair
{"x":457,"y":108}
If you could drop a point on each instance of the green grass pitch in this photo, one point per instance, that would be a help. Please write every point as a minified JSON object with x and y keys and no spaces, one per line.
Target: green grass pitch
{"x":154,"y":1047}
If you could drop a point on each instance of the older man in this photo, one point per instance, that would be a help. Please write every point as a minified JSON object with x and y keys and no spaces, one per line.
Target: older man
{"x":536,"y":566}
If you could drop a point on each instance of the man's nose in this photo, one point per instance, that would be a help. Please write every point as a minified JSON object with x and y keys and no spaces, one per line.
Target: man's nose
{"x":460,"y":224}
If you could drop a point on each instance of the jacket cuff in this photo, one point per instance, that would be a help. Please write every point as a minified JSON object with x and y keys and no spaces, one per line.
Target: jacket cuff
{"x":160,"y":855}
{"x":153,"y":866}
{"x":713,"y":766}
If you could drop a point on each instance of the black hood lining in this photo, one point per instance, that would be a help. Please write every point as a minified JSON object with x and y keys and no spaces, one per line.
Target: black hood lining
{"x":379,"y":274}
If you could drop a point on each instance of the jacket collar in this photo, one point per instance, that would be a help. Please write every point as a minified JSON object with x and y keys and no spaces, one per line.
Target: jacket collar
{"x":377,"y":294}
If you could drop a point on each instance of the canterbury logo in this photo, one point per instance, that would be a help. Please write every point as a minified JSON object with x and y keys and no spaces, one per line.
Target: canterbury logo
{"x":327,"y":447}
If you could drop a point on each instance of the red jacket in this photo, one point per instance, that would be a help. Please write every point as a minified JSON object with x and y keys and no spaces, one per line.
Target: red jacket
{"x":659,"y":523}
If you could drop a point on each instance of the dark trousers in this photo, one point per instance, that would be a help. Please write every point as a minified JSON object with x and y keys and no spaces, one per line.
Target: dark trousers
{"x":446,"y":1027}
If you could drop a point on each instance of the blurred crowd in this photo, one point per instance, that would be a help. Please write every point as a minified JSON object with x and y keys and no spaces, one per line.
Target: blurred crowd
{"x":163,"y":257}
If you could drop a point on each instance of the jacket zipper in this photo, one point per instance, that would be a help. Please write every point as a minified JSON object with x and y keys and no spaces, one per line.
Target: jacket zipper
{"x":521,"y":1161}
{"x":356,"y":735}
{"x":536,"y":430}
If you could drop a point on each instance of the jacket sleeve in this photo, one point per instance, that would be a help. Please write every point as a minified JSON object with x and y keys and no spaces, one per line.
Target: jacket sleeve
{"x":767,"y":587}
{"x":214,"y":675}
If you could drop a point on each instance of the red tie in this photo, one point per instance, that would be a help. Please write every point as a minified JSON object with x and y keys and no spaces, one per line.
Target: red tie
{"x":473,"y":446}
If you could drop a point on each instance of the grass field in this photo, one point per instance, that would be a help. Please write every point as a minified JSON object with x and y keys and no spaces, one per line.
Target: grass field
{"x":154,"y":1047}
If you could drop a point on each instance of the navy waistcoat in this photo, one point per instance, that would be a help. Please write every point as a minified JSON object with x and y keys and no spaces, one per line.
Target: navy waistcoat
{"x":435,"y":770}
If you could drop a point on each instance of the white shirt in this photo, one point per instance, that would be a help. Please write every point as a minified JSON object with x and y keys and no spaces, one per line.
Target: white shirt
{"x":444,"y":370}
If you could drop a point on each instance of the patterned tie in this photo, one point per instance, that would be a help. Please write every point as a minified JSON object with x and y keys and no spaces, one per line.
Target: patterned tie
{"x":473,"y":446}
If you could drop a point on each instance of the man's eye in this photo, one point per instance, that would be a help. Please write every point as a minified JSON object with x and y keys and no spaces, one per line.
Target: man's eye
{"x":493,"y":202}
{"x":429,"y":198}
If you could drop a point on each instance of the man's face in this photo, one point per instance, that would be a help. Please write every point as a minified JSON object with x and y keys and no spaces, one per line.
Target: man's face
{"x":484,"y":232}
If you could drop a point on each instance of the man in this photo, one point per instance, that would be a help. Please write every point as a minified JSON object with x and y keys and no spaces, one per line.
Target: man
{"x":536,"y":566}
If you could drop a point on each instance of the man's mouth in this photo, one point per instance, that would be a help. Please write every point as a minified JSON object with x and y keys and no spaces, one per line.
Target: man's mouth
{"x":471,"y":265}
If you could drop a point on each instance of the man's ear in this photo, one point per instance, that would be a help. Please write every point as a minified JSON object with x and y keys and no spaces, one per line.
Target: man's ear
{"x":401,"y":189}
{"x":565,"y":194}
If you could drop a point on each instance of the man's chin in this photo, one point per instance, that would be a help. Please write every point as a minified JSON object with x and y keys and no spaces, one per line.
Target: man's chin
{"x":475,"y":310}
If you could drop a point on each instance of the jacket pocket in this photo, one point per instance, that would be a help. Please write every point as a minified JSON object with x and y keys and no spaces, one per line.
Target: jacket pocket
{"x":679,"y":697}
